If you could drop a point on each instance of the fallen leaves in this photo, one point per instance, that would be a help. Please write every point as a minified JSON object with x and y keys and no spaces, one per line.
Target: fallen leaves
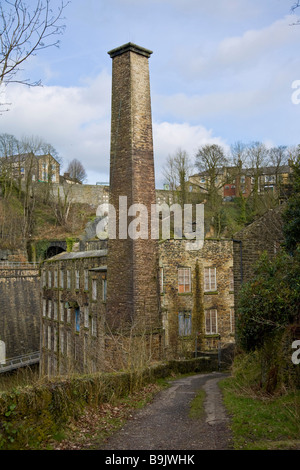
{"x":97,"y":424}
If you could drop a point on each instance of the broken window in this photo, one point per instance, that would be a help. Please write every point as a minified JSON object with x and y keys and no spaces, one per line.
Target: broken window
{"x":62,"y":311}
{"x":55,"y":308}
{"x":86,"y":316}
{"x":49,"y":279}
{"x":68,"y":279}
{"x":77,"y":320}
{"x":77,"y":279}
{"x":161,"y":280}
{"x":94,"y":289}
{"x":44,"y":277}
{"x":61,"y":341}
{"x":211,"y":324}
{"x":94,"y":326}
{"x":49,"y":308}
{"x":86,"y":279}
{"x":44,"y":307}
{"x":184,"y":280}
{"x":104,"y":289}
{"x":210,"y":279}
{"x":61,"y":278}
{"x":55,"y":278}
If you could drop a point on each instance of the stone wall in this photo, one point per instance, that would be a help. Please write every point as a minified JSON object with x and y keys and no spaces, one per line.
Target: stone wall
{"x":19,"y":310}
{"x":94,"y":195}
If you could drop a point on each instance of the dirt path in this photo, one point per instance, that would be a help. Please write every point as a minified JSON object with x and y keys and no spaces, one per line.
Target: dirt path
{"x":165,"y":425}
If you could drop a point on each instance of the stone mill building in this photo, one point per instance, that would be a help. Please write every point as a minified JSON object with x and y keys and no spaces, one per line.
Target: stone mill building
{"x":137,"y":299}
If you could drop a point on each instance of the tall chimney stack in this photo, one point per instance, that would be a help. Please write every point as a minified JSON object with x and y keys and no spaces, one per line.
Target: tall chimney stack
{"x":132,"y":266}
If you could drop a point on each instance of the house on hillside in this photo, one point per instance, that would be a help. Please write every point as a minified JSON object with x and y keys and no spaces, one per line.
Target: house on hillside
{"x":232,"y":183}
{"x":38,"y":168}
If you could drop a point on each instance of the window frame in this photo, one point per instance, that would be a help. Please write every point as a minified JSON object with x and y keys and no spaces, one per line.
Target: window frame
{"x":161,"y":280}
{"x":209,"y":312}
{"x":77,"y":320}
{"x":185,"y":287}
{"x":231,"y":279}
{"x":77,"y":279}
{"x":94,"y":290}
{"x":86,"y":279}
{"x":86,"y":316}
{"x":184,"y":323}
{"x":210,"y":287}
{"x":104,"y":289}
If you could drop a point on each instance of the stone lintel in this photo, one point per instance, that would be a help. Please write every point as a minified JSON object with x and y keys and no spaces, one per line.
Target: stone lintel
{"x":131,"y":48}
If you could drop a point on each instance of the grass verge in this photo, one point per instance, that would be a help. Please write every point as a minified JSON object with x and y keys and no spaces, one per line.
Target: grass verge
{"x":262,"y":422}
{"x":197,"y":406}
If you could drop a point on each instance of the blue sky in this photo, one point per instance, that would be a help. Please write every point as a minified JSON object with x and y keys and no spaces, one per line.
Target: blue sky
{"x":220,"y":72}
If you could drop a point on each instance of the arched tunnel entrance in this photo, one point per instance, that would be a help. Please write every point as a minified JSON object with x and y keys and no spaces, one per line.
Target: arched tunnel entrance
{"x":53,"y":250}
{"x":39,"y":250}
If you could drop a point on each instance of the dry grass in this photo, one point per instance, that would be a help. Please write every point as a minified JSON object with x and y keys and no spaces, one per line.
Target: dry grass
{"x":98,"y":423}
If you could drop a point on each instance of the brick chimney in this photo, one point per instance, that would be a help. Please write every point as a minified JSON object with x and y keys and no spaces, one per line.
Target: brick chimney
{"x":132,"y":266}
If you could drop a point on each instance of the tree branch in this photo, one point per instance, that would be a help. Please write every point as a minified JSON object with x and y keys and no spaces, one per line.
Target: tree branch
{"x":23,"y":32}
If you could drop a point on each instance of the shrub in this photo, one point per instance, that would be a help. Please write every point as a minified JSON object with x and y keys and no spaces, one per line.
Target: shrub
{"x":270,"y":301}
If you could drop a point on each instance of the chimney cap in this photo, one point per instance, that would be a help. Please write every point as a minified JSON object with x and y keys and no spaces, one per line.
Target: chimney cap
{"x":130,"y":47}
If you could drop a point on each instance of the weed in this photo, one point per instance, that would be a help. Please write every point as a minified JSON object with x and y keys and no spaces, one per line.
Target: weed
{"x":261,"y":421}
{"x":196,"y":407}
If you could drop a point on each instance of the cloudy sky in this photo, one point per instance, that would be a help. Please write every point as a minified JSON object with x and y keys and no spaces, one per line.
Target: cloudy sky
{"x":221,"y":71}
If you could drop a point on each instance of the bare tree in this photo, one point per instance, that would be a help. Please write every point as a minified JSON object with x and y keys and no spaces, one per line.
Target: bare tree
{"x":170,"y":173}
{"x":258,"y":156}
{"x":177,"y":171}
{"x":76,"y":171}
{"x":278,"y":157}
{"x":61,"y":205}
{"x":26,"y":28}
{"x":210,"y":160}
{"x":8,"y":147}
{"x":239,"y":158}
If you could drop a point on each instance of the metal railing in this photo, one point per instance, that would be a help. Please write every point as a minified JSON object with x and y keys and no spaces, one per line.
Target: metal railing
{"x":20,"y":361}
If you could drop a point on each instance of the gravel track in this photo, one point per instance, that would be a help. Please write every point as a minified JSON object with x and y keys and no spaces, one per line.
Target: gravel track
{"x":164,"y":424}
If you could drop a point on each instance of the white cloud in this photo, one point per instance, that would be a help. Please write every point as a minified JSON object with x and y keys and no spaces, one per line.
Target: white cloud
{"x":266,"y":47}
{"x":168,"y":137}
{"x":255,"y":45}
{"x":75,"y":120}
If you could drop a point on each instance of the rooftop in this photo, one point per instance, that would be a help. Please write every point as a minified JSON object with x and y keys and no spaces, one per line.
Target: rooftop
{"x":78,"y":255}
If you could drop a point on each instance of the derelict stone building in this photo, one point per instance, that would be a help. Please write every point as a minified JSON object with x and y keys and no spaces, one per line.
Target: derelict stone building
{"x":197,"y":296}
{"x":197,"y":308}
{"x":73,"y":312}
